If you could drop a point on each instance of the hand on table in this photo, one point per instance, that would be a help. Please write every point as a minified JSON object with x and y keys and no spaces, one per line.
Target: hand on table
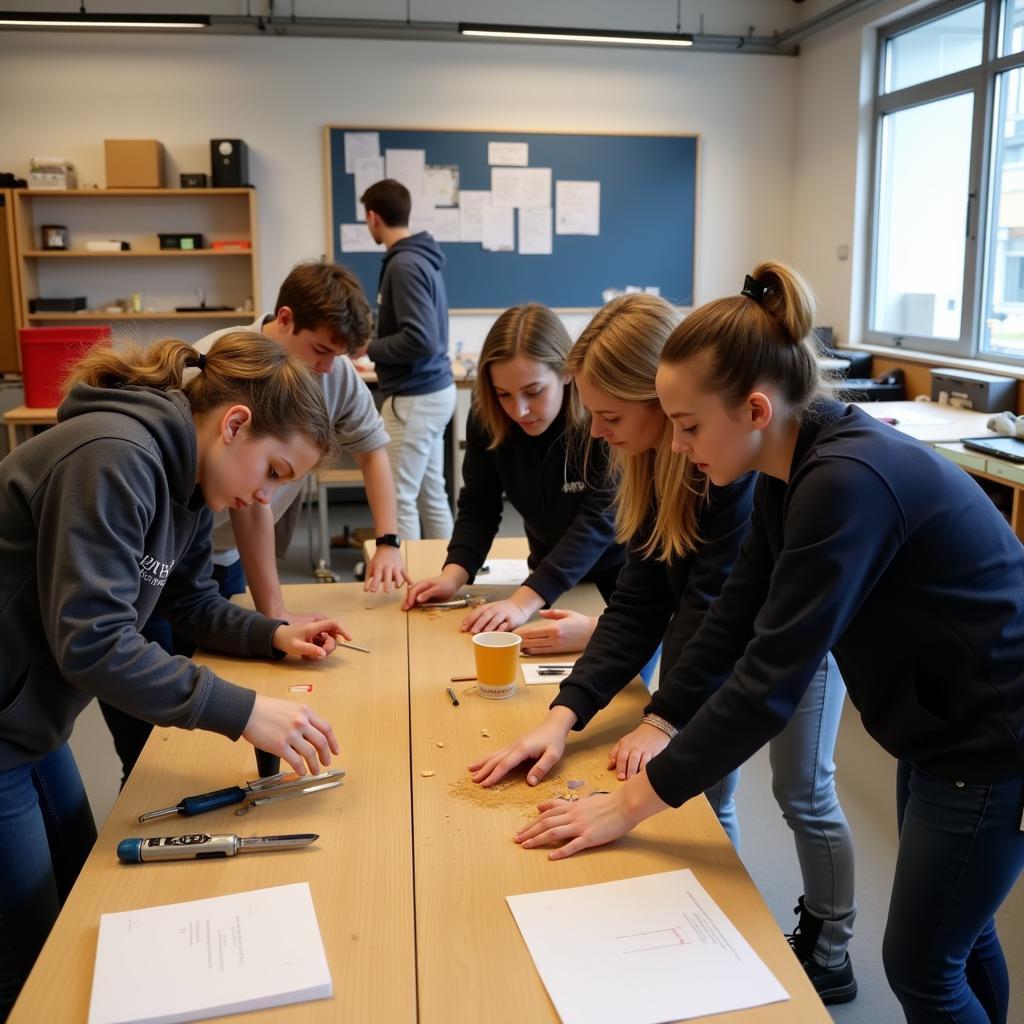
{"x":631,"y":754}
{"x":291,"y":731}
{"x":500,"y":616}
{"x":313,"y":640}
{"x":437,"y":588}
{"x":546,"y":743}
{"x":385,"y":570}
{"x":563,"y":632}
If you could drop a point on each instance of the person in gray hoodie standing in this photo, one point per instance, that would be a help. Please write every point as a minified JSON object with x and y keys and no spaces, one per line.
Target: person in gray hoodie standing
{"x":410,"y":352}
{"x":102,"y":517}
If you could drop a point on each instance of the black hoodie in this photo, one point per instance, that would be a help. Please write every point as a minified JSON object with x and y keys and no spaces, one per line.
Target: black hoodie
{"x":100,"y":518}
{"x":410,"y":351}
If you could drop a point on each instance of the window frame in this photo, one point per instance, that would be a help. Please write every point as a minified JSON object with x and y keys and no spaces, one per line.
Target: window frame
{"x":980,"y":82}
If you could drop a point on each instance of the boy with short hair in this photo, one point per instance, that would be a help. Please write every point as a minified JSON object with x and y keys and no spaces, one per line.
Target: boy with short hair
{"x":410,"y":353}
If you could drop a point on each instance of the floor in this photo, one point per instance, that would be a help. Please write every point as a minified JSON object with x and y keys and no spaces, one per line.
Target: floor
{"x":865,"y":780}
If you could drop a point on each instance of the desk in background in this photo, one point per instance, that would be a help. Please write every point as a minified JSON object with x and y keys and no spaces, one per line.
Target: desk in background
{"x":21,"y":420}
{"x":410,"y":875}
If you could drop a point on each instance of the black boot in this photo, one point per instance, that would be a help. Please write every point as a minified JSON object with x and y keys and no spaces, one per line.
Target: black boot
{"x":833,"y":984}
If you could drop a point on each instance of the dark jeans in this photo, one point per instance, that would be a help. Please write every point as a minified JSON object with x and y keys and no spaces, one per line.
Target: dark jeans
{"x":47,"y":832}
{"x":961,"y":850}
{"x":130,"y":733}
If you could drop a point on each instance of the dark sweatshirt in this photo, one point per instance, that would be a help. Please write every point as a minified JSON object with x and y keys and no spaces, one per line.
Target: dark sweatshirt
{"x":566,"y":508}
{"x":894,"y":559}
{"x":100,"y":518}
{"x":658,"y":601}
{"x":410,"y":351}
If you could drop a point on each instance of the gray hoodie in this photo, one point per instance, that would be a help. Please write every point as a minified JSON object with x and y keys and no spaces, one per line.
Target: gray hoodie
{"x":100,"y":518}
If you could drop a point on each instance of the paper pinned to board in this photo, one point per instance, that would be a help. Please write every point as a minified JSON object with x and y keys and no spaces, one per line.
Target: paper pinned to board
{"x":577,"y":207}
{"x":471,"y":207}
{"x":357,"y":238}
{"x":509,"y":154}
{"x":641,"y":951}
{"x":535,"y":231}
{"x":406,"y":166}
{"x":368,"y":171}
{"x":359,"y":146}
{"x":207,"y":958}
{"x":498,"y":228}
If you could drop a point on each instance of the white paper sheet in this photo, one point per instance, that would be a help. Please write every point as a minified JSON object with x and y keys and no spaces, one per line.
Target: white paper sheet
{"x":441,"y":184}
{"x":521,"y":186}
{"x":577,"y":207}
{"x":498,"y":228}
{"x":368,"y":171}
{"x":446,"y":224}
{"x":640,"y":951}
{"x":357,"y":238}
{"x":511,"y":154}
{"x":535,"y":230}
{"x":532,"y":676}
{"x":406,"y":166}
{"x":503,"y":572}
{"x":358,"y":146}
{"x":471,"y":207}
{"x":206,"y":958}
{"x":421,"y":216}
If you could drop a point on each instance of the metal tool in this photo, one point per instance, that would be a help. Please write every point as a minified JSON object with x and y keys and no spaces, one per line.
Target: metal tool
{"x":200,"y":846}
{"x":283,"y":786}
{"x":468,"y":601}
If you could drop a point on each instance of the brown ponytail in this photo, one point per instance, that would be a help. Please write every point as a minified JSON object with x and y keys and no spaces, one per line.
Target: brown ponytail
{"x":242,"y":367}
{"x":763,"y":335}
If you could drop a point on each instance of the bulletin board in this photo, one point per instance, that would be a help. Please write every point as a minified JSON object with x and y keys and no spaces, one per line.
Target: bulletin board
{"x":647,"y":217}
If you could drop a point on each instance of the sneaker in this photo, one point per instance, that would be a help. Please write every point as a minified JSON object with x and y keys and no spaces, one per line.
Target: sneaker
{"x":833,"y":984}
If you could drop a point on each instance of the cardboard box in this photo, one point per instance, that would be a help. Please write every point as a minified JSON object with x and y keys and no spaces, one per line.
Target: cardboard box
{"x":134,"y":163}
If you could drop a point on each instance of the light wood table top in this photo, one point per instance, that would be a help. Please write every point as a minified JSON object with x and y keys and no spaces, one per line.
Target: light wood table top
{"x":929,"y":421}
{"x":23,"y":414}
{"x":466,"y":862}
{"x":359,"y":871}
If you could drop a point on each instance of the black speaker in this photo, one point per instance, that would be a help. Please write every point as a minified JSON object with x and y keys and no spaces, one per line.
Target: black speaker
{"x":229,"y":161}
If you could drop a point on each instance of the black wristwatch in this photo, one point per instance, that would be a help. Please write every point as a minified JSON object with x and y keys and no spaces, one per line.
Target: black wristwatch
{"x":389,"y":540}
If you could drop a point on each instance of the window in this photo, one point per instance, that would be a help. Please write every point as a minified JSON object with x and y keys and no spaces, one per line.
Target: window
{"x":947,"y":252}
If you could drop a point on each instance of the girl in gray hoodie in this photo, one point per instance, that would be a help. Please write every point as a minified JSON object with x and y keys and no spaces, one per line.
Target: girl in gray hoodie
{"x":102,"y":517}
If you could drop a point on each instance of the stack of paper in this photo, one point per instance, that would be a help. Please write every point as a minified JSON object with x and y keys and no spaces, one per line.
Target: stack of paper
{"x":206,"y":958}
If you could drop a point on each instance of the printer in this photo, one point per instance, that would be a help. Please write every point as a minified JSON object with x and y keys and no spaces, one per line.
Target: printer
{"x":968,"y":389}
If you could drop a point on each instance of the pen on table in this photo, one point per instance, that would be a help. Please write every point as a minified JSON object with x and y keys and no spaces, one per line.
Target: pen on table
{"x":451,"y":696}
{"x":553,"y":671}
{"x":564,"y":665}
{"x":462,"y":679}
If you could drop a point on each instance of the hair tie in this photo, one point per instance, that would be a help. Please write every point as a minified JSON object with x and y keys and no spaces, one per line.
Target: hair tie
{"x":201,"y":361}
{"x":753,"y":289}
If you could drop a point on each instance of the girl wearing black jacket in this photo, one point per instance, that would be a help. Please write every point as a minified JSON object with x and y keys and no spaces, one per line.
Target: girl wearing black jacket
{"x":869,"y":544}
{"x":525,"y":438}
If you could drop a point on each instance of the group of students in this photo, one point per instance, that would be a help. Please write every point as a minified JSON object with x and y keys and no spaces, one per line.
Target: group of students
{"x":758,"y":534}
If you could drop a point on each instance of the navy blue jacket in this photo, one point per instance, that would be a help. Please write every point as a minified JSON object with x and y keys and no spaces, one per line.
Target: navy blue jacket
{"x":410,"y":351}
{"x":566,"y":508}
{"x":658,"y":602}
{"x":893,"y":558}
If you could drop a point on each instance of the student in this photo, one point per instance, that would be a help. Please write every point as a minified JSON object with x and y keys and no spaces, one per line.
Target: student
{"x":410,"y":353}
{"x":683,"y":538}
{"x":101,"y":517}
{"x":525,"y":438}
{"x":865,"y":542}
{"x":320,"y":316}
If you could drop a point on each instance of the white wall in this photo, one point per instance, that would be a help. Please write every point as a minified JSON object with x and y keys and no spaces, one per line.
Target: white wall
{"x":64,"y":93}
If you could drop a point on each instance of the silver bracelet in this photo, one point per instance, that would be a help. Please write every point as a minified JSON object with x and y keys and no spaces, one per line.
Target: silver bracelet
{"x":660,"y":723}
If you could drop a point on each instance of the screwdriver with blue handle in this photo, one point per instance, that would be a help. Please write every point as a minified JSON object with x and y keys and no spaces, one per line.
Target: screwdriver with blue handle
{"x":200,"y":846}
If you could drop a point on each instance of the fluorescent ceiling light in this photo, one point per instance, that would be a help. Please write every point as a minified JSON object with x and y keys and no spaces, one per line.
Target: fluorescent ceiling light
{"x":33,"y":19}
{"x":576,"y":35}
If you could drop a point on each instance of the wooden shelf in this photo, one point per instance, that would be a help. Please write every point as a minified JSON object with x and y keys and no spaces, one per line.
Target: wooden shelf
{"x":226,"y":314}
{"x":81,"y":254}
{"x":133,"y":192}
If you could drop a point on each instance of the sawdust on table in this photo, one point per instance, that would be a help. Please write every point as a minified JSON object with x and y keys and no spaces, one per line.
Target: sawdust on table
{"x":516,"y":795}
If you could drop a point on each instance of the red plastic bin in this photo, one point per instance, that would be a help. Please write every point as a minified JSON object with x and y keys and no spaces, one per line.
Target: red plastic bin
{"x":46,"y":354}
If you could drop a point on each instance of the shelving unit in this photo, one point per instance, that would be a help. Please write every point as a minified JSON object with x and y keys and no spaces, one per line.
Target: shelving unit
{"x":165,"y":278}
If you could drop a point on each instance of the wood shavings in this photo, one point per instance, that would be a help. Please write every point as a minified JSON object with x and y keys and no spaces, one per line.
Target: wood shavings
{"x":439,"y":743}
{"x":509,"y":794}
{"x":486,"y":735}
{"x":427,"y":774}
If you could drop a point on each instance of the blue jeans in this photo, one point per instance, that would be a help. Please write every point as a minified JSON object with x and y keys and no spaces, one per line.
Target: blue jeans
{"x":416,"y":425}
{"x":961,"y":851}
{"x":47,"y":831}
{"x":803,"y":783}
{"x":130,"y":733}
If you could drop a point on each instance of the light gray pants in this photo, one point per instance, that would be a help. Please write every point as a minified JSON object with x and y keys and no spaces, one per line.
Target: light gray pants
{"x":416,"y":425}
{"x":803,"y":782}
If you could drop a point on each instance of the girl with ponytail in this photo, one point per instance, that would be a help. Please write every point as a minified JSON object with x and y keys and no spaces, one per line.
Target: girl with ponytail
{"x":866,"y":543}
{"x":101,"y":516}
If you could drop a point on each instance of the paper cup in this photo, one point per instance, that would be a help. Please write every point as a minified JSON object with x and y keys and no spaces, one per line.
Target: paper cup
{"x":497,"y":664}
